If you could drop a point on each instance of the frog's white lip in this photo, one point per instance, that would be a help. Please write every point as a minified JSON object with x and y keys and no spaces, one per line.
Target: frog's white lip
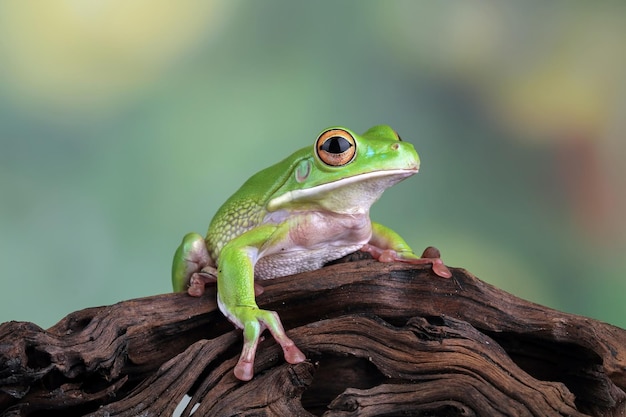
{"x":294,"y":195}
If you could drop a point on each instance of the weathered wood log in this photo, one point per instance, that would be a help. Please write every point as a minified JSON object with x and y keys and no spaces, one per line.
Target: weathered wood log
{"x":381,"y":339}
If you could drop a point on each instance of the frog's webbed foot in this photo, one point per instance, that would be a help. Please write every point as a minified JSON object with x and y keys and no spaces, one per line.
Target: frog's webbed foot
{"x":431,"y":255}
{"x":254,"y":321}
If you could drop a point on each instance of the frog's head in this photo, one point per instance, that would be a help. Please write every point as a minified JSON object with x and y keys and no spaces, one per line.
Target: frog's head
{"x":346,"y":172}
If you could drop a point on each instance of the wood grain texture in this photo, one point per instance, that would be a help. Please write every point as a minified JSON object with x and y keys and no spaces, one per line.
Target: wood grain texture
{"x":381,"y":339}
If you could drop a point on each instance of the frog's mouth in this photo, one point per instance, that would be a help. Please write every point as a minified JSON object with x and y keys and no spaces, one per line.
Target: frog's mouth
{"x":354,"y":194}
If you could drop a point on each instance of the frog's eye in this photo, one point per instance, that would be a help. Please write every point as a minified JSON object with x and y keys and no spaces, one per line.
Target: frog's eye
{"x":335,"y":147}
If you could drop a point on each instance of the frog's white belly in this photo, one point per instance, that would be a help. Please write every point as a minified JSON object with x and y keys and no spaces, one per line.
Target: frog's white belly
{"x":312,"y":240}
{"x":279,"y":265}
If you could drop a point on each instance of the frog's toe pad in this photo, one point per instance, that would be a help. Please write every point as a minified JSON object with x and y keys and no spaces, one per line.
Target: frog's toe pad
{"x":441,"y":269}
{"x":431,"y":252}
{"x":293,"y":355}
{"x":244,"y":371}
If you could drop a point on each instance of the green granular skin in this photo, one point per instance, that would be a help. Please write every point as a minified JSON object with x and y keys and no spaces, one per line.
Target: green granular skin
{"x":232,"y":219}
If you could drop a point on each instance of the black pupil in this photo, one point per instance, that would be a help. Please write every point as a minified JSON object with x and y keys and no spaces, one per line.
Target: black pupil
{"x":336,"y":144}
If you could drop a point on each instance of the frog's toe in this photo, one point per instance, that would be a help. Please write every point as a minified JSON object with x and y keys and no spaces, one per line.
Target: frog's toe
{"x":252,"y":328}
{"x":430,"y":256}
{"x":244,"y":371}
{"x":292,"y":354}
{"x":254,"y":322}
{"x":441,"y":269}
{"x":431,"y":252}
{"x":198,"y":281}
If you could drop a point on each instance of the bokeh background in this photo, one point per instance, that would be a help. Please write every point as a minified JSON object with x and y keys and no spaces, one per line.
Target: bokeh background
{"x":125,"y":124}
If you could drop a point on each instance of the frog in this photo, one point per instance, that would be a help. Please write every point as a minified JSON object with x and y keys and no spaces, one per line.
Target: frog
{"x":305,"y":211}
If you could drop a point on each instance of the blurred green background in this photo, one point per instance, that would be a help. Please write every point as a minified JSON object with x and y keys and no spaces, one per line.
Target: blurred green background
{"x":124,"y":125}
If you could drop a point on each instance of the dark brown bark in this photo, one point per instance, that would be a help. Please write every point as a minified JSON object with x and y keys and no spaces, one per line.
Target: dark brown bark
{"x":382,"y":339}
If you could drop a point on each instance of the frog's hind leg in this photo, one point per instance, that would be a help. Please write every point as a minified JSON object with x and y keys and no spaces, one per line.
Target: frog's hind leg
{"x":192,"y":267}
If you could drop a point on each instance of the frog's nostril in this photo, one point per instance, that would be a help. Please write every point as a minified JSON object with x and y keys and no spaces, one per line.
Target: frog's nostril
{"x":395,"y":146}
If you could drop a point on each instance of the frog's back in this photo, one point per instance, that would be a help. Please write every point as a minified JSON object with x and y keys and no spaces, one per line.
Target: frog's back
{"x":246,"y":208}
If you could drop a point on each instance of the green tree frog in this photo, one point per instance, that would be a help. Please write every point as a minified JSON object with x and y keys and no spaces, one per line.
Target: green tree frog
{"x":295,"y":216}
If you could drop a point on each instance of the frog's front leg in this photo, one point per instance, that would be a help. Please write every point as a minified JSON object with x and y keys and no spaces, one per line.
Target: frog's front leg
{"x":235,"y":287}
{"x":386,"y":245}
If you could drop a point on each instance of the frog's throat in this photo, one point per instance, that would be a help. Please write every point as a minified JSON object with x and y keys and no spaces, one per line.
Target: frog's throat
{"x":356,"y":192}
